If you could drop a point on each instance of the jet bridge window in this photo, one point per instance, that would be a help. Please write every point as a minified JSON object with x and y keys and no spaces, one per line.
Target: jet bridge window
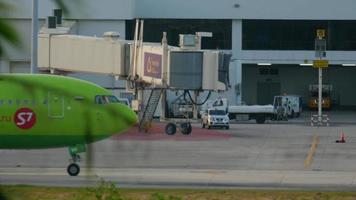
{"x":217,"y":112}
{"x":106,"y":99}
{"x":218,"y":103}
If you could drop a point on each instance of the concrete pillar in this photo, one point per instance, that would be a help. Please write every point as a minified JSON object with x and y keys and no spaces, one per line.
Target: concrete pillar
{"x":4,"y":66}
{"x":236,"y":65}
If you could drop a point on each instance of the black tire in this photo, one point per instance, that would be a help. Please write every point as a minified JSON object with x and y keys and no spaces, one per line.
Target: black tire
{"x":73,"y":169}
{"x":171,"y":129}
{"x":232,"y":116}
{"x":260,"y":119}
{"x":298,"y":114}
{"x":186,"y":128}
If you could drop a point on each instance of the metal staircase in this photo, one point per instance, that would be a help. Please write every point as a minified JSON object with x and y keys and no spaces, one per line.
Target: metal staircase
{"x":149,"y":109}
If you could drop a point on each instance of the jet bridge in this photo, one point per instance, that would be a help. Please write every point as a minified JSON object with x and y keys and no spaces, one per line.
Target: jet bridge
{"x":153,"y":66}
{"x":74,"y":53}
{"x":169,"y":66}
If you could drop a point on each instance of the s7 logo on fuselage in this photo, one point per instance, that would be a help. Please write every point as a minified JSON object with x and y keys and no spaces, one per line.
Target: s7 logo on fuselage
{"x":25,"y":118}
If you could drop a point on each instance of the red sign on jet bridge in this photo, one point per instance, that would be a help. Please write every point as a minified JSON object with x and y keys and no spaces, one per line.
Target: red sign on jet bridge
{"x":25,"y":118}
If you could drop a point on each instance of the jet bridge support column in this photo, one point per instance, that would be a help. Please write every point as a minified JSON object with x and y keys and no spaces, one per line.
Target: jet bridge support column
{"x":163,"y":105}
{"x":195,"y":106}
{"x":164,"y":76}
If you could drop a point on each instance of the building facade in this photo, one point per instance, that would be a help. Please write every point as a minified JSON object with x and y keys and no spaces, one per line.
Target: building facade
{"x":272,"y":42}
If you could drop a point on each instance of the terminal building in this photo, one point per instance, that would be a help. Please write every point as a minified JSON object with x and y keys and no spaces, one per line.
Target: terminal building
{"x":272,"y":42}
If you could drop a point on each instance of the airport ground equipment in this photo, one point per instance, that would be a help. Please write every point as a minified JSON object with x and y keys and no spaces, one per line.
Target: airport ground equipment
{"x":282,"y":108}
{"x":326,"y":97}
{"x":181,"y":107}
{"x":182,"y":125}
{"x":258,"y":112}
{"x":154,"y":66}
{"x":215,"y":118}
{"x":146,"y":114}
{"x":290,"y":104}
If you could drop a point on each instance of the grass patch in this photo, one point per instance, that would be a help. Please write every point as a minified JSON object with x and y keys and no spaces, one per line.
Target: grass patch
{"x":108,"y":191}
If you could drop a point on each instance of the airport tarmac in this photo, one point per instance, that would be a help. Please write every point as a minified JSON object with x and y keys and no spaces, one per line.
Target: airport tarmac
{"x":246,"y":156}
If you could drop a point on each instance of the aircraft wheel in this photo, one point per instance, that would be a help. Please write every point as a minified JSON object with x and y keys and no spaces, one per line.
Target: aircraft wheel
{"x":186,"y":128}
{"x":73,"y":169}
{"x":171,"y":129}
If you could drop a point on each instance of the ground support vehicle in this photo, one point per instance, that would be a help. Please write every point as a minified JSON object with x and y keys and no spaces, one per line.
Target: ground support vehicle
{"x":257,"y":112}
{"x":284,"y":106}
{"x":314,"y":96}
{"x":289,"y":105}
{"x":124,"y":101}
{"x":215,"y":118}
{"x":184,"y":126}
{"x":260,"y":113}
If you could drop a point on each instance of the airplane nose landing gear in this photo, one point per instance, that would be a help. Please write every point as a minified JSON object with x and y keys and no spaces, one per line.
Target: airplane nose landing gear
{"x":73,"y":169}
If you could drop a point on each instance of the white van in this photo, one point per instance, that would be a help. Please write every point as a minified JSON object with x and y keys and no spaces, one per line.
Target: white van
{"x":291,"y":103}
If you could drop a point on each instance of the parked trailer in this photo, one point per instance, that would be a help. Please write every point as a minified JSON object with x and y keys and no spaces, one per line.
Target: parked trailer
{"x":258,"y":112}
{"x":282,"y":108}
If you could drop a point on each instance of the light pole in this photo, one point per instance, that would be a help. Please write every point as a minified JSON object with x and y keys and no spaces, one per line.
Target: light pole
{"x":320,"y":91}
{"x":34,"y":41}
{"x":320,"y":53}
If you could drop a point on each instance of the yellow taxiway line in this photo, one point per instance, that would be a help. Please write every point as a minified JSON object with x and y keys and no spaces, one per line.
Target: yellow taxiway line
{"x":309,"y":159}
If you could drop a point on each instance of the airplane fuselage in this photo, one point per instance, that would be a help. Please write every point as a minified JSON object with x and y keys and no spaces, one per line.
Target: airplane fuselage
{"x":44,"y":111}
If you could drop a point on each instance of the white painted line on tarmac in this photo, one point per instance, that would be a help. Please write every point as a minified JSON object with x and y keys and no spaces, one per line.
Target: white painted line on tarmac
{"x":198,"y":176}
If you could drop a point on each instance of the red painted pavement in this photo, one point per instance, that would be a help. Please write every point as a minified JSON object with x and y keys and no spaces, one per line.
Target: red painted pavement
{"x":157,"y":133}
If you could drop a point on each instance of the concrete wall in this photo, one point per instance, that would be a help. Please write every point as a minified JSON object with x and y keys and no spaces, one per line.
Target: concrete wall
{"x":211,"y":9}
{"x":247,"y":9}
{"x":79,"y":9}
{"x":234,"y":92}
{"x":99,"y":27}
{"x":82,"y":27}
{"x":23,"y":29}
